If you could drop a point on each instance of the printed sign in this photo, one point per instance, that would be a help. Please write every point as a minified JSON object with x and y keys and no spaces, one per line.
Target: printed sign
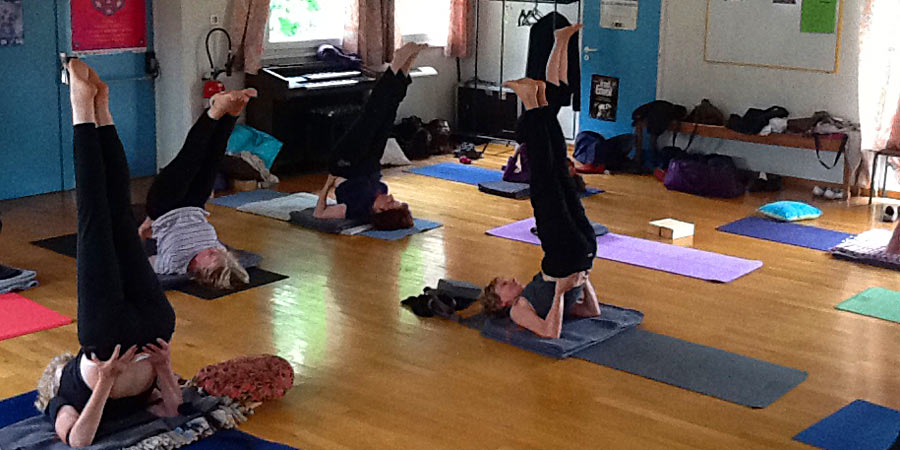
{"x":108,"y":26}
{"x":11,"y":27}
{"x":604,"y":97}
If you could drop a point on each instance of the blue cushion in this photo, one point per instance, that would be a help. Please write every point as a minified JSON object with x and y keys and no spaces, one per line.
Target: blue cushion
{"x":249,"y":139}
{"x":790,"y":211}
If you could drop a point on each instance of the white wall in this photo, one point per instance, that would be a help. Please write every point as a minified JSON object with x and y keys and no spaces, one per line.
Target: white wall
{"x":432,"y":97}
{"x":686,"y":79}
{"x":179,"y":39}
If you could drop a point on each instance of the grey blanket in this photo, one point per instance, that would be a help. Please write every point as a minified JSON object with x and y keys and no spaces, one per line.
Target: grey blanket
{"x":16,"y":279}
{"x":204,"y":415}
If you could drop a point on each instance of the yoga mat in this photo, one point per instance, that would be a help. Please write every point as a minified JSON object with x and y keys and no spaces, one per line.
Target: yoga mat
{"x":577,"y":334}
{"x":786,"y":232}
{"x":650,"y":254}
{"x":242,"y":198}
{"x":281,"y":208}
{"x":19,"y":316}
{"x":460,"y":173}
{"x":707,"y":370}
{"x":258,"y":277}
{"x":875,"y":302}
{"x":21,"y":407}
{"x":420,"y":226}
{"x":66,"y":245}
{"x":859,"y":425}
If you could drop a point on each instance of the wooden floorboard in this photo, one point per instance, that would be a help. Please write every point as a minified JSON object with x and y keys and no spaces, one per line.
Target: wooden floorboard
{"x":370,"y":374}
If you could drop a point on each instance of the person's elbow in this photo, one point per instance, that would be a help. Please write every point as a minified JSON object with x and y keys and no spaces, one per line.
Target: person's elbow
{"x":548,"y":333}
{"x":318,"y":213}
{"x":78,"y":442}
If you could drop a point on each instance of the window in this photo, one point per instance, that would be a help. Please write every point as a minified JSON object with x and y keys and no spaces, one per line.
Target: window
{"x":423,"y":21}
{"x":297,"y":24}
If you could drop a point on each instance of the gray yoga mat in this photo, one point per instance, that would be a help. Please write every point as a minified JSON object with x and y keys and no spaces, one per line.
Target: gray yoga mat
{"x":707,"y":370}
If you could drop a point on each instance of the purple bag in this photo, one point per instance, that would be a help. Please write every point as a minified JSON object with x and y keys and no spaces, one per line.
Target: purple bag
{"x":706,"y":175}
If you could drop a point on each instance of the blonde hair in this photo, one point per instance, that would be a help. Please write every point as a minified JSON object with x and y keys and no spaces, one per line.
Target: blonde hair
{"x":489,"y":299}
{"x":48,"y":384}
{"x":226,"y":274}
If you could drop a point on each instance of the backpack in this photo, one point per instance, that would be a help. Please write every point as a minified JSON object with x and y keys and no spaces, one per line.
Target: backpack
{"x":706,"y":175}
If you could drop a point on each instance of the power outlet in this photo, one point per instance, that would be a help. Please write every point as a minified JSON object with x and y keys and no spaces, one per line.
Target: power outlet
{"x":214,"y":20}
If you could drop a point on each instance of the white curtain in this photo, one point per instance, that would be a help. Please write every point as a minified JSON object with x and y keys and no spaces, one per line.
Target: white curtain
{"x":879,"y":74}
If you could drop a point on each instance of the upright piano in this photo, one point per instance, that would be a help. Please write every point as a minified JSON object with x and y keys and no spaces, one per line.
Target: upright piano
{"x":307,"y":106}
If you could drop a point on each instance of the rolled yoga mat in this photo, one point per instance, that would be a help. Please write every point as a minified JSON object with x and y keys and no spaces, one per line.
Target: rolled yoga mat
{"x":670,"y":258}
{"x":859,"y":425}
{"x":707,"y":370}
{"x":786,"y":232}
{"x":20,"y":316}
{"x":21,"y":407}
{"x":875,"y":302}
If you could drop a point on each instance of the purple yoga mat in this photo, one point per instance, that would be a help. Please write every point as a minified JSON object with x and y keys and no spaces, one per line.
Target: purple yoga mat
{"x":650,"y":254}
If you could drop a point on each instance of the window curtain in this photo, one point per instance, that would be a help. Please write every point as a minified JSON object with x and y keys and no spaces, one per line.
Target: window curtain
{"x":369,"y":31}
{"x":879,"y":76}
{"x":459,"y":37}
{"x":248,"y":33}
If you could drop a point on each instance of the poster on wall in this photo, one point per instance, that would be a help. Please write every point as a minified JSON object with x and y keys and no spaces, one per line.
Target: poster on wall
{"x":108,"y":26}
{"x":604,"y":97}
{"x":619,"y":14}
{"x":11,"y":24}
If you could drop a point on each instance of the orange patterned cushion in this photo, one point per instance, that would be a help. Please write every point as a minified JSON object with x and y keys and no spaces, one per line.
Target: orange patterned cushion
{"x":249,"y":378}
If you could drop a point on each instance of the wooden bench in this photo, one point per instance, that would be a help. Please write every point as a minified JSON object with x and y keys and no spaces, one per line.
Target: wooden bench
{"x":827,"y":143}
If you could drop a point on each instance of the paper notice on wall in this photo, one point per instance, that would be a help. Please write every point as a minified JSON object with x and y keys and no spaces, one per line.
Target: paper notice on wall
{"x":818,"y":16}
{"x":604,"y":97}
{"x":619,"y":14}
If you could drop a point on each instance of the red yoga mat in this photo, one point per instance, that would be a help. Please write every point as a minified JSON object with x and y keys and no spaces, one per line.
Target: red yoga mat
{"x":19,"y":316}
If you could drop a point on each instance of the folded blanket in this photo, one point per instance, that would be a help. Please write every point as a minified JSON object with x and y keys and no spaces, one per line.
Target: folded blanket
{"x":280,"y":208}
{"x":577,"y":334}
{"x":13,"y":279}
{"x":204,"y":415}
{"x":868,"y":247}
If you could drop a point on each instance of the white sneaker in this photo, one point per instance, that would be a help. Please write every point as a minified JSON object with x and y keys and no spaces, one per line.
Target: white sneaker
{"x":818,"y":191}
{"x":834,"y":194}
{"x":888,"y":213}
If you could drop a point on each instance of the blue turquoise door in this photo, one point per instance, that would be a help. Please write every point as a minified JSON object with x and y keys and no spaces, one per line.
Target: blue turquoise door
{"x":632,"y":56}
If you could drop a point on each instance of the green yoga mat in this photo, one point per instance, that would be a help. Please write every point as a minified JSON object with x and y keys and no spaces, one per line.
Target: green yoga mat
{"x":874,"y":302}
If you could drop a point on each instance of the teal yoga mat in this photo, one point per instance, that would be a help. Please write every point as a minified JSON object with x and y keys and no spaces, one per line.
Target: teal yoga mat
{"x":874,"y":302}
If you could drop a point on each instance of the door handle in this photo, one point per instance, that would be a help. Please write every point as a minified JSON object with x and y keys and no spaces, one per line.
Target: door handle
{"x":587,"y":52}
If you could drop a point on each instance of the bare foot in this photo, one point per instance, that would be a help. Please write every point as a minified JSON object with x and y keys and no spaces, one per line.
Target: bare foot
{"x":403,"y":54}
{"x":563,"y":34}
{"x":101,"y":100}
{"x":412,"y":59}
{"x":81,"y":92}
{"x":526,"y":90}
{"x":231,"y":102}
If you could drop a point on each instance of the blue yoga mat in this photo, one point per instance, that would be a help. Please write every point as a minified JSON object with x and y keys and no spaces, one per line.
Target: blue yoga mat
{"x":707,"y":370}
{"x":460,"y":173}
{"x":859,"y":425}
{"x":21,"y":407}
{"x":242,"y":198}
{"x":786,"y":232}
{"x":420,"y":226}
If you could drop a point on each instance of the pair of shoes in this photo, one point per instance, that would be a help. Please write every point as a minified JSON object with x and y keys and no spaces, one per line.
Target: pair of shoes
{"x":833,"y":194}
{"x":465,"y":160}
{"x":591,"y":168}
{"x":818,"y":191}
{"x":889,"y":213}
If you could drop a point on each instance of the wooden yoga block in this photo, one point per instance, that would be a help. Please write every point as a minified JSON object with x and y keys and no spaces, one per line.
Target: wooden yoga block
{"x":671,"y":229}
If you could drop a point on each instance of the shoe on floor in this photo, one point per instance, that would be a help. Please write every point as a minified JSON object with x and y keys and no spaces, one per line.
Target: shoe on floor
{"x":834,"y":194}
{"x":889,"y":213}
{"x":818,"y":191}
{"x":660,"y":175}
{"x":591,"y":168}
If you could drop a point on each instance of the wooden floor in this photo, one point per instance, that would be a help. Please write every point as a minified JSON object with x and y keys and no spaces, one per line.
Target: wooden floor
{"x":370,"y":374}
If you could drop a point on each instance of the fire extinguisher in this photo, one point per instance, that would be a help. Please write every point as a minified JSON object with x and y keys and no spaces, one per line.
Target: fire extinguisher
{"x":211,"y":84}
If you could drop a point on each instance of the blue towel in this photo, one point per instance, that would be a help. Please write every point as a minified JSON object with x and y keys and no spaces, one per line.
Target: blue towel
{"x":859,"y":425}
{"x":19,"y":280}
{"x":577,"y":334}
{"x":460,"y":173}
{"x":786,"y":232}
{"x":420,"y":226}
{"x":242,"y":198}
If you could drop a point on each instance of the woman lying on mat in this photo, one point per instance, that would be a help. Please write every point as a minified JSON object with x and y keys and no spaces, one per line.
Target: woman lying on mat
{"x":185,"y":240}
{"x":125,"y":320}
{"x":567,"y":237}
{"x":355,"y":170}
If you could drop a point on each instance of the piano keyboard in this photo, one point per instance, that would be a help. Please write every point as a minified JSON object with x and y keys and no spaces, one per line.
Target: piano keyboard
{"x":302,"y":83}
{"x":331,"y":75}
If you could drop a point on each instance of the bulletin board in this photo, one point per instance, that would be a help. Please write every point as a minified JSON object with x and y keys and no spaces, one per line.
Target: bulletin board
{"x":767,"y":33}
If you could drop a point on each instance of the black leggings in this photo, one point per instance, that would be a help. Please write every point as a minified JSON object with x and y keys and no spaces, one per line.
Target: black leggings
{"x":359,"y":151}
{"x":566,"y":234}
{"x":119,"y":297}
{"x":189,"y":179}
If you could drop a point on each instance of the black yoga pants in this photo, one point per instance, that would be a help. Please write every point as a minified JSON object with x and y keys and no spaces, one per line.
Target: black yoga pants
{"x":566,"y":234}
{"x":189,"y":179}
{"x":359,"y":151}
{"x":120,"y":301}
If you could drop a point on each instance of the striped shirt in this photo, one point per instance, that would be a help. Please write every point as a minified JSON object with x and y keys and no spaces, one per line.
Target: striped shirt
{"x":180,"y":234}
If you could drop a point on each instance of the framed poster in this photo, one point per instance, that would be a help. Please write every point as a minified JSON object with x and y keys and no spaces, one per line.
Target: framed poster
{"x":604,"y":97}
{"x":108,"y":26}
{"x":11,"y":26}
